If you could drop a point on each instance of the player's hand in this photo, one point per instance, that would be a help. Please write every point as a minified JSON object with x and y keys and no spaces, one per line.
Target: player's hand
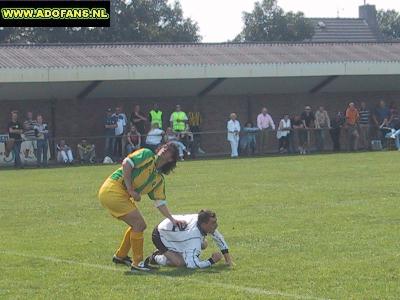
{"x":180,"y":224}
{"x":135,"y":195}
{"x":216,"y":256}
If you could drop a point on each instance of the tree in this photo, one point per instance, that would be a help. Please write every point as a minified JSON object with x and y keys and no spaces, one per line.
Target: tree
{"x":133,"y":21}
{"x":389,"y":23}
{"x":268,"y":22}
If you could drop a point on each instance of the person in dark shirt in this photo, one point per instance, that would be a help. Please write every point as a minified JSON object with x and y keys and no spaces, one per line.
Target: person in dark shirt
{"x":138,"y":120}
{"x":308,"y":118}
{"x":298,"y":128}
{"x":336,"y":128}
{"x":110,"y":123}
{"x":15,"y":130}
{"x":381,"y":120}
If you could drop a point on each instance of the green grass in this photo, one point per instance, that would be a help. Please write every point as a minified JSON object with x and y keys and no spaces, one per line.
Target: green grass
{"x":300,"y":227}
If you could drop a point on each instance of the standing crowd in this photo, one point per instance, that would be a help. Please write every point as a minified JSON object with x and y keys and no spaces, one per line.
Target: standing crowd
{"x":362,"y":129}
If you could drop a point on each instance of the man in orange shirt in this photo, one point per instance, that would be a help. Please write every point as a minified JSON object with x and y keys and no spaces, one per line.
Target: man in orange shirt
{"x":352,"y":117}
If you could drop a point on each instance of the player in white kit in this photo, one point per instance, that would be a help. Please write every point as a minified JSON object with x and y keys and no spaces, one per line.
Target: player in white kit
{"x":180,"y":247}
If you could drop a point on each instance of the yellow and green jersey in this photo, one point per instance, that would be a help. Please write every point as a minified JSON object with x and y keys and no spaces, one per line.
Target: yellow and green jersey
{"x":146,"y":179}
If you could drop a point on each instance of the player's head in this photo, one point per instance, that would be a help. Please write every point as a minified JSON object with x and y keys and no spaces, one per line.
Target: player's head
{"x":169,"y":155}
{"x":207,"y":220}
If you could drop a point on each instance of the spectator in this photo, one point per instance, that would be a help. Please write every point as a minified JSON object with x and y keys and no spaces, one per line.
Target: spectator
{"x":41,"y":134}
{"x":394,"y":115}
{"x":119,"y":132}
{"x":186,"y":137}
{"x":64,"y":153}
{"x":87,"y":152}
{"x":283,"y":133}
{"x":178,"y":120}
{"x":173,"y":138}
{"x":155,"y":116}
{"x":308,"y":118}
{"x":322,"y":123}
{"x":363,"y":123}
{"x":395,"y":133}
{"x":194,"y":120}
{"x":233,"y":127}
{"x":248,"y":140}
{"x":352,"y":117}
{"x":14,"y":143}
{"x":264,"y":123}
{"x":380,"y":119}
{"x":139,"y":120}
{"x":336,"y":128}
{"x":299,"y":129}
{"x":154,"y":137}
{"x":134,"y":140}
{"x":29,"y":132}
{"x":110,"y":123}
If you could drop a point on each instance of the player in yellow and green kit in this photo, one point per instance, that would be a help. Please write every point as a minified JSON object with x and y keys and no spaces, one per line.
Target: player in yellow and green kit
{"x":141,"y":173}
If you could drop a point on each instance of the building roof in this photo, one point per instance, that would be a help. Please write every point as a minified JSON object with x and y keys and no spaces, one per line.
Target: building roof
{"x":142,"y":55}
{"x":343,"y":30}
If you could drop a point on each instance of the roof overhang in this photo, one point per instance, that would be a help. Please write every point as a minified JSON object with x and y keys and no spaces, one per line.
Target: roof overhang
{"x":168,"y":72}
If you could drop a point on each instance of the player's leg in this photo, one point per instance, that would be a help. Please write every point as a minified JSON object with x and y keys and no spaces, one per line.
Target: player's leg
{"x":136,"y":221}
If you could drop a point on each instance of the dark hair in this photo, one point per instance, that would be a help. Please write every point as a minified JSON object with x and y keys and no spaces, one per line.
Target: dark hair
{"x":169,"y":166}
{"x":205,"y":215}
{"x":249,"y":123}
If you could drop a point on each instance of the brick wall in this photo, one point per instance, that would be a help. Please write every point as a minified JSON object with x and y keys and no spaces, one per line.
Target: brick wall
{"x":79,"y":118}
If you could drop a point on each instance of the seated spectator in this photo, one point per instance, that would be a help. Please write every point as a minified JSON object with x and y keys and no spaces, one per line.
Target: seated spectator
{"x":173,"y":138}
{"x":395,"y":133}
{"x":133,"y":140}
{"x":154,"y":137}
{"x":283,"y":134}
{"x":86,"y":151}
{"x":64,"y":153}
{"x":248,"y":140}
{"x":187,"y":138}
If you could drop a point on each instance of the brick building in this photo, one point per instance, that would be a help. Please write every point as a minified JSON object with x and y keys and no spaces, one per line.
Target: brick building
{"x":72,"y":85}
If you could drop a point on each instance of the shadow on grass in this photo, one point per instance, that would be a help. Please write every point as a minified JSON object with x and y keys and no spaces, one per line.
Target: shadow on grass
{"x":178,"y":272}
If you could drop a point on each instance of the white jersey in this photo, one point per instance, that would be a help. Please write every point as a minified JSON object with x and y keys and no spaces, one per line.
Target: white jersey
{"x":188,"y":241}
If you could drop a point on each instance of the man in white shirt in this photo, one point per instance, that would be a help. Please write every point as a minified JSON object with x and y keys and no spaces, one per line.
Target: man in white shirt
{"x":154,"y":137}
{"x":265,"y":124}
{"x":180,"y":247}
{"x":119,"y":132}
{"x":233,"y":127}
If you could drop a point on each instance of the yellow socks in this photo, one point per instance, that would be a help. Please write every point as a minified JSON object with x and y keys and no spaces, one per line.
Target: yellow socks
{"x":125,"y":244}
{"x":137,"y":246}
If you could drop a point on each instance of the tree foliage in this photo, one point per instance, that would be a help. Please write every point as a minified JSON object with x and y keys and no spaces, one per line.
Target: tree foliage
{"x":133,"y":21}
{"x":268,"y":22}
{"x":389,"y":23}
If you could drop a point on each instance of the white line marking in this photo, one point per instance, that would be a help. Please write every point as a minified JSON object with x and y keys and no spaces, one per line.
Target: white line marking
{"x":257,"y":291}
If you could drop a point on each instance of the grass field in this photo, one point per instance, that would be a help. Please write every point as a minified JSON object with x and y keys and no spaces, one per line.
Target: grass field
{"x":300,"y":227}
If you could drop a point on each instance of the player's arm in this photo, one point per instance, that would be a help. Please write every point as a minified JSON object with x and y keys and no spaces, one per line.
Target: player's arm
{"x":127,"y":169}
{"x":223,"y":246}
{"x":163,"y":208}
{"x":193,"y":261}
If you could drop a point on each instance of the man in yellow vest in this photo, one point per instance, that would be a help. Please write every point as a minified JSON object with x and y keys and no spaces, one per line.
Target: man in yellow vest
{"x":155,"y":116}
{"x":178,"y":120}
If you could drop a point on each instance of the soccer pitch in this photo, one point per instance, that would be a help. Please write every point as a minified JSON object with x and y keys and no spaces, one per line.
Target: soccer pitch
{"x":299,"y":227}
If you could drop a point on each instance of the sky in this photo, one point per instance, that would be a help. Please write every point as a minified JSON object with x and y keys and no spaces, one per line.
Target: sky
{"x":221,"y":20}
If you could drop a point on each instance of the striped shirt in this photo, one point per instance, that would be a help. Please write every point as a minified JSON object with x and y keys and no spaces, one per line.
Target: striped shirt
{"x":194,"y":119}
{"x":364,"y":116}
{"x":29,"y":129}
{"x":188,"y":241}
{"x":146,"y":179}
